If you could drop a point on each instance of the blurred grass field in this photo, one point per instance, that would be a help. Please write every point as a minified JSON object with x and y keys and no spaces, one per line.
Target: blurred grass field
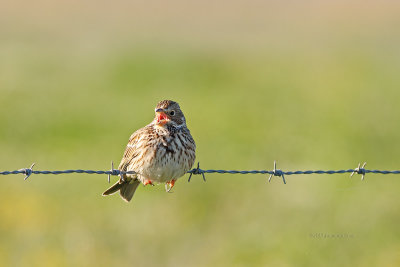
{"x":313,"y":86}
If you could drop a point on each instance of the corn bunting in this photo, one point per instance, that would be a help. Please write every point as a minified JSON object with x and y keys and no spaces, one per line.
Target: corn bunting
{"x":160,"y":152}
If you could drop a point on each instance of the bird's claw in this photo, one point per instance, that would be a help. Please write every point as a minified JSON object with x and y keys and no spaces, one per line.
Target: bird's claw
{"x":148,"y":182}
{"x":169,"y":185}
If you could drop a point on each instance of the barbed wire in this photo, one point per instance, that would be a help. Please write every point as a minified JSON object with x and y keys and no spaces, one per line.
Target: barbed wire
{"x":197,"y":171}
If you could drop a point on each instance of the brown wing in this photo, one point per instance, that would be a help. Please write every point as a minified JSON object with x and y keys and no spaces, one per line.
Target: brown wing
{"x":127,"y":186}
{"x":131,"y":151}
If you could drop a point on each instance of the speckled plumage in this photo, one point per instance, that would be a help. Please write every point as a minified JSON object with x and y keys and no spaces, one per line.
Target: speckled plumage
{"x":160,"y":152}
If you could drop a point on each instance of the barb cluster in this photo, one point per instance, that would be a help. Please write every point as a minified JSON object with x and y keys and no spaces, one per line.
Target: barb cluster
{"x":197,"y":171}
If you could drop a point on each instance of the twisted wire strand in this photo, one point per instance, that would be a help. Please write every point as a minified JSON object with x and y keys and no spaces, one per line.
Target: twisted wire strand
{"x":290,"y":172}
{"x":197,"y":171}
{"x":200,"y":171}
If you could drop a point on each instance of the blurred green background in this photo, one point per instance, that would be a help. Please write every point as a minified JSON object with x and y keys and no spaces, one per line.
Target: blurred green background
{"x":311,"y":84}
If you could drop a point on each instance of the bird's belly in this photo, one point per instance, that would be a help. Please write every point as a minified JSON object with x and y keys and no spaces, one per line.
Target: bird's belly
{"x":164,"y":168}
{"x":164,"y":174}
{"x":161,"y":174}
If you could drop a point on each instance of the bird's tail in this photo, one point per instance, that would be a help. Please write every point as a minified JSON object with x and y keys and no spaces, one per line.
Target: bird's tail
{"x":126,"y":189}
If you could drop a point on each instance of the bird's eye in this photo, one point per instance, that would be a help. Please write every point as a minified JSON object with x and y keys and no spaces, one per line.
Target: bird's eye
{"x":172,"y":112}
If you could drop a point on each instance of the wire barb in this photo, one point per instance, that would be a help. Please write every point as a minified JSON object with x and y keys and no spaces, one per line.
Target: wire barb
{"x":196,"y":172}
{"x":276,"y":172}
{"x":112,"y":171}
{"x":27,"y":171}
{"x":121,"y":175}
{"x":359,"y":170}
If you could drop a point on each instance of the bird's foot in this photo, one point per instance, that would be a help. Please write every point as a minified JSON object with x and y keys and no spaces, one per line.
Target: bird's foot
{"x":146,"y":182}
{"x":169,"y":185}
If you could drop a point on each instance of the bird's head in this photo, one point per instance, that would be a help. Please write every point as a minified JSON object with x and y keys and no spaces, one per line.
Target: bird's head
{"x":168,"y":112}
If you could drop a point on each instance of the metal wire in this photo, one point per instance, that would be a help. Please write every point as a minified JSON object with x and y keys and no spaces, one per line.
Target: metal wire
{"x":197,"y":171}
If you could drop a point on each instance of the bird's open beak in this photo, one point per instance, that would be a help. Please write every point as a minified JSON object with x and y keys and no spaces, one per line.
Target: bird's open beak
{"x":161,"y":117}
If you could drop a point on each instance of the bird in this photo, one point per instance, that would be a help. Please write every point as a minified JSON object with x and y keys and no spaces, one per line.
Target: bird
{"x":160,"y":152}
